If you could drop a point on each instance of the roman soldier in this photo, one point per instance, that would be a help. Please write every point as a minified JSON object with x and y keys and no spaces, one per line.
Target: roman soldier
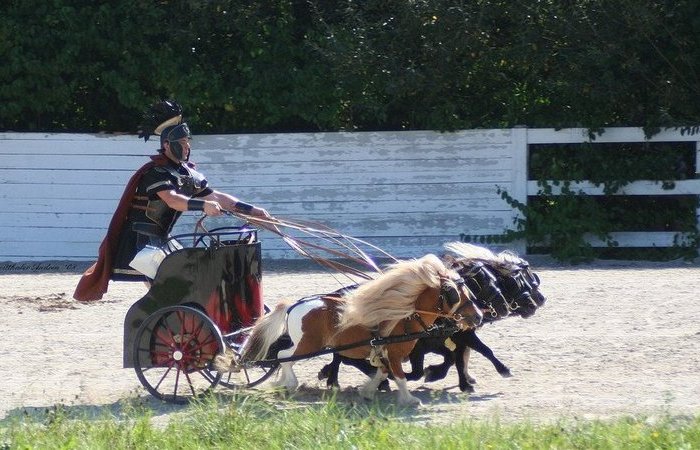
{"x":154,"y":198}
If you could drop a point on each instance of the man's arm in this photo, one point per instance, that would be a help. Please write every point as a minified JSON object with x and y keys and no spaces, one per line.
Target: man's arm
{"x":230,"y":203}
{"x":181,"y":202}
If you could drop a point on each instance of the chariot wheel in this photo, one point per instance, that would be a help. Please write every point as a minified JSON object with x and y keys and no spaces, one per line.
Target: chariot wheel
{"x":173,"y":354}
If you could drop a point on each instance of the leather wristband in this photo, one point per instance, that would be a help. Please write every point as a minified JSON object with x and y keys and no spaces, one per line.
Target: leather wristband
{"x":244,"y":207}
{"x":194,"y":204}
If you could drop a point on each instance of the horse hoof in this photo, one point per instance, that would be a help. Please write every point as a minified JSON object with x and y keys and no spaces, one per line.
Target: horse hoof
{"x":467,"y":388}
{"x":471,"y":380}
{"x":366,"y":395}
{"x":430,"y":376}
{"x":323,"y":373}
{"x":411,"y":376}
{"x":409,"y":401}
{"x":506,"y":374}
{"x":283,"y":388}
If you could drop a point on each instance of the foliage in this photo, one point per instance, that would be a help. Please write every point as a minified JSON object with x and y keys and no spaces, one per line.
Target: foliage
{"x":252,"y":422}
{"x":305,"y":65}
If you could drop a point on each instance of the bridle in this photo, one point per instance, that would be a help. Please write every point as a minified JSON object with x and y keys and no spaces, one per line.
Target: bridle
{"x":483,"y":284}
{"x":512,"y":285}
{"x":481,"y":281}
{"x":519,"y":283}
{"x":449,"y":294}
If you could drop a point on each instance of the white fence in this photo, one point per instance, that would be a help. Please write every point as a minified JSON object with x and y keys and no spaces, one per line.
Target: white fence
{"x":639,"y":187}
{"x":406,"y":192}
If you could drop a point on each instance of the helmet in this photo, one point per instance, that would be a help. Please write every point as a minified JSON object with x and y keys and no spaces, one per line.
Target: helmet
{"x":172,"y":134}
{"x":158,"y":117}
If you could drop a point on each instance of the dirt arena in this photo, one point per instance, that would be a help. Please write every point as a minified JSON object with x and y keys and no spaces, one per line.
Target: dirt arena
{"x":615,"y":338}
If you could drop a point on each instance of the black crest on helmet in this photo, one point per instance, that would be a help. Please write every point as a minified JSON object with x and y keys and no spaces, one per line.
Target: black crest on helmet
{"x":159,"y":116}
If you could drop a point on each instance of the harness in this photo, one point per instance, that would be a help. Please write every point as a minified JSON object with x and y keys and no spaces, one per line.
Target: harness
{"x":378,"y":352}
{"x":444,"y":330}
{"x":482,"y":282}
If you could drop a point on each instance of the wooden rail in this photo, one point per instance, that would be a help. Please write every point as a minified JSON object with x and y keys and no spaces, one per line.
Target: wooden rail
{"x":406,"y":192}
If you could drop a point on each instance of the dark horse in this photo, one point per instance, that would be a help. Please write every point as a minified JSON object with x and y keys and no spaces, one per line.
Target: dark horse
{"x":503,"y":285}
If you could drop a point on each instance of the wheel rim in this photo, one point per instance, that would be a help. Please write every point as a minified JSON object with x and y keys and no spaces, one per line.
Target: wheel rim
{"x":173,"y":354}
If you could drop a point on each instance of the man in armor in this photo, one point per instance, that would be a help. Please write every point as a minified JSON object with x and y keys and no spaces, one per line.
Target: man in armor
{"x":155,"y":197}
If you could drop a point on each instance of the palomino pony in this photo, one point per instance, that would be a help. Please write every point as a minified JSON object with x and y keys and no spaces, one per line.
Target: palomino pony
{"x":503,"y":285}
{"x":406,"y":299}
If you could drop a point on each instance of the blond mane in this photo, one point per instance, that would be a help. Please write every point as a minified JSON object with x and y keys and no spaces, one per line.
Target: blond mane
{"x":504,"y":261}
{"x":391,"y":296}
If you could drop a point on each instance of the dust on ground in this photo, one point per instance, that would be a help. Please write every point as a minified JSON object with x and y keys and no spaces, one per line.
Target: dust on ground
{"x":614,"y":339}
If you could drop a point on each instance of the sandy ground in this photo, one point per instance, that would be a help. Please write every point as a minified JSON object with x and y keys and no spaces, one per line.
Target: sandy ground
{"x":615,"y":338}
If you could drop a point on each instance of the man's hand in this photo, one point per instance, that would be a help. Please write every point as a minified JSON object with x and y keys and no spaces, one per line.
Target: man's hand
{"x":212,"y":208}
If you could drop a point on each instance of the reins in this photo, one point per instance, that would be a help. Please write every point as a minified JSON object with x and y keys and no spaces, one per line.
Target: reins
{"x":336,"y":244}
{"x":436,"y":314}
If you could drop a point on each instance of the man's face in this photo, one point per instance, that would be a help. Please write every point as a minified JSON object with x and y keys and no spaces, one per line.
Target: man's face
{"x":184,"y":143}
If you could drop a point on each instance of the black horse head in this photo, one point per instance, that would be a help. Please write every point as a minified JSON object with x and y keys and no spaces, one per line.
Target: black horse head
{"x":534,"y":281}
{"x":503,"y":283}
{"x":483,"y":284}
{"x":521,"y":287}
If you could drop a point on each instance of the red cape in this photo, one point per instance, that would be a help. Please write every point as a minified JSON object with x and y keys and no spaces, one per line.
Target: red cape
{"x":93,"y":284}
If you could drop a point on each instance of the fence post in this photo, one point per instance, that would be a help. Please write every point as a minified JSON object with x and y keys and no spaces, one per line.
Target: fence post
{"x":697,"y":176}
{"x":520,"y":176}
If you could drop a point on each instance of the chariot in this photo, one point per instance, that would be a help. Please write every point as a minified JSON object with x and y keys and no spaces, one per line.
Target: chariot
{"x":203,"y":299}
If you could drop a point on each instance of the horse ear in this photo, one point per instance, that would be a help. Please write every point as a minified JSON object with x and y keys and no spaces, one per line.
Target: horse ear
{"x":449,"y":260}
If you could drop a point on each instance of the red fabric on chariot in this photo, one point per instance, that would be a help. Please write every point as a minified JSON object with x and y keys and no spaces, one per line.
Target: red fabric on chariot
{"x":94,"y":282}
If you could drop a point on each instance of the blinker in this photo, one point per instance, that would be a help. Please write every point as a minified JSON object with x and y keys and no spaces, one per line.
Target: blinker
{"x":449,"y":294}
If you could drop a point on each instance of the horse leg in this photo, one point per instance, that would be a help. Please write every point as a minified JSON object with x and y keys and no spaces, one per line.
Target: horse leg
{"x":330,"y":372}
{"x":465,"y":357}
{"x":405,"y":397}
{"x":439,"y":371}
{"x":368,"y":369}
{"x":417,"y":358}
{"x":287,"y":378}
{"x":368,"y":389}
{"x":461,"y":361}
{"x":475,"y":343}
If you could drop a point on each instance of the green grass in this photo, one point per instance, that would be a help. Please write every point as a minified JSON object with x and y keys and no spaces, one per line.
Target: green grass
{"x":255,"y":422}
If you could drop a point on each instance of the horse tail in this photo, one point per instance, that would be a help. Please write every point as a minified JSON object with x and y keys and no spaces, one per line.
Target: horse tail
{"x":265,"y":332}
